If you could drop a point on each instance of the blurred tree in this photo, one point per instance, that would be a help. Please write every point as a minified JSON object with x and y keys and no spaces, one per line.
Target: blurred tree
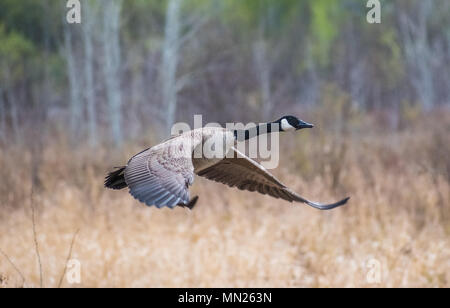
{"x":74,"y":82}
{"x":262,"y":23}
{"x":180,"y":29}
{"x":112,"y":64}
{"x":2,"y":116}
{"x":414,"y":19}
{"x":90,"y":16}
{"x":16,"y":55}
{"x":227,"y":59}
{"x":170,"y":60}
{"x":324,"y":29}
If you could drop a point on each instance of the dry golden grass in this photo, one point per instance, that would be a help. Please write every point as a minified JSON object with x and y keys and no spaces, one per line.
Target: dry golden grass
{"x":398,"y":215}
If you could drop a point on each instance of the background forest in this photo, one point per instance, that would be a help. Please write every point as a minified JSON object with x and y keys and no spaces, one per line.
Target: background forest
{"x":79,"y":99}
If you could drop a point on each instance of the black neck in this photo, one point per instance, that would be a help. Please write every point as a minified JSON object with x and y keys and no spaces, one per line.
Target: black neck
{"x":256,"y":131}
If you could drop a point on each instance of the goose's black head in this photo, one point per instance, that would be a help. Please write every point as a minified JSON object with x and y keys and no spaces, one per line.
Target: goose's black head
{"x":291,"y":123}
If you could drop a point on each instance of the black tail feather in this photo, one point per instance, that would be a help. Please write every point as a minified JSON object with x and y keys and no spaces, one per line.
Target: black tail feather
{"x":116,"y":179}
{"x":191,"y":203}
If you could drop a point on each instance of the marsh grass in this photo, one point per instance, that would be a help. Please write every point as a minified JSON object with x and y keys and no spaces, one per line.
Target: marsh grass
{"x":398,"y":216}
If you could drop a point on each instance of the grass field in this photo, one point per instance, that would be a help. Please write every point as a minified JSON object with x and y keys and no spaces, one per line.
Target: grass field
{"x":394,"y":232}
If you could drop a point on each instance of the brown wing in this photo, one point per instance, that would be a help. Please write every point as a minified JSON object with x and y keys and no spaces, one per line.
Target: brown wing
{"x":246,"y":174}
{"x":161,"y":176}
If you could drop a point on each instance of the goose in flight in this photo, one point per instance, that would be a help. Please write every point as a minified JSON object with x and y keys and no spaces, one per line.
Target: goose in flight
{"x":161,"y":175}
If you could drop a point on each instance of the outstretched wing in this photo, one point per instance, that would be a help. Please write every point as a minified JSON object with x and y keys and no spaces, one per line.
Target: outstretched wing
{"x":161,"y":176}
{"x":246,"y":174}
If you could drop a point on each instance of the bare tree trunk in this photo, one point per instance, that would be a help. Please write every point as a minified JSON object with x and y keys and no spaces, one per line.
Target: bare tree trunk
{"x":35,"y":124}
{"x":263,"y":71}
{"x":88,"y":18}
{"x":45,"y":97}
{"x":310,"y":87}
{"x":14,"y":115}
{"x":263,"y":61}
{"x":75,"y":103}
{"x":354,"y":68}
{"x":418,"y":52}
{"x":170,"y":60}
{"x":2,"y":117}
{"x":139,"y":91}
{"x":111,"y":45}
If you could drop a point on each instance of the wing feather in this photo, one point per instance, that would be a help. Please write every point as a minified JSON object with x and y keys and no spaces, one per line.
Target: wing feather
{"x":246,"y":174}
{"x":161,"y":175}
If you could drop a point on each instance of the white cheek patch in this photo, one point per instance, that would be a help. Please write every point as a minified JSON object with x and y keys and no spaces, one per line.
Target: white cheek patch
{"x":286,"y":126}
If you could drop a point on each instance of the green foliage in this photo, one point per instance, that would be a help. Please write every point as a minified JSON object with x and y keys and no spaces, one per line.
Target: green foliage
{"x":15,"y":51}
{"x":143,"y":19}
{"x":391,"y":62}
{"x":266,"y":16}
{"x":324,"y":28}
{"x":38,"y":21}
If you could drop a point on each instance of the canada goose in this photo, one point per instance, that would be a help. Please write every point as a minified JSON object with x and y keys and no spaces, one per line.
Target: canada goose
{"x":161,"y":175}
